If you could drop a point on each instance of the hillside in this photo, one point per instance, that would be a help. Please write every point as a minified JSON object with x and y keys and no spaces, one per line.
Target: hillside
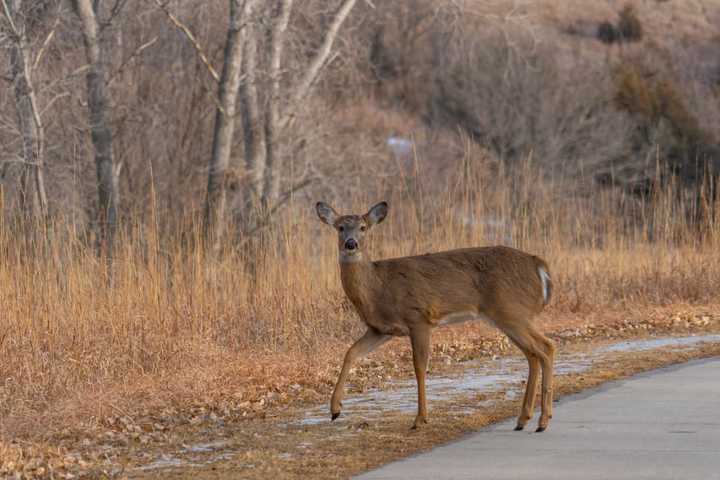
{"x":521,"y":78}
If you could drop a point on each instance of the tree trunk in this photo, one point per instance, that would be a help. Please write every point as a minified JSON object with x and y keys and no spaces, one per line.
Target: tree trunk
{"x":32,"y":189}
{"x":107,"y":178}
{"x":271,"y":182}
{"x":251,"y":122}
{"x":225,"y":124}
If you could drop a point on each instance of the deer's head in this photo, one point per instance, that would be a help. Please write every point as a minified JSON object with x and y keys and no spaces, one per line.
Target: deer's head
{"x":351,"y":229}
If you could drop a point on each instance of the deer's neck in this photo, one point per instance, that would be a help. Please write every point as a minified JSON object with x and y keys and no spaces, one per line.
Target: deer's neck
{"x":359,"y":280}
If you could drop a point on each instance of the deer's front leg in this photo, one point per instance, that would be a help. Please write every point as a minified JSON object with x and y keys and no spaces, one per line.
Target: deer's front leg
{"x":420,"y":339}
{"x":366,"y":344}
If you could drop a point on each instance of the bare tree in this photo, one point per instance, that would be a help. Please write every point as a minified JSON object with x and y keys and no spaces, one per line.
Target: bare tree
{"x":225,"y":122}
{"x":32,"y":190}
{"x":107,"y":173}
{"x":262,"y":122}
{"x":283,"y":106}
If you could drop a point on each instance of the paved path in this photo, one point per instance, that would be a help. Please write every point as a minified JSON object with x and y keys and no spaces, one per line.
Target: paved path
{"x":663,"y":424}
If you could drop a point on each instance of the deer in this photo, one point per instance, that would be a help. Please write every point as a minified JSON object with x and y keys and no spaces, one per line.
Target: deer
{"x":411,"y":296}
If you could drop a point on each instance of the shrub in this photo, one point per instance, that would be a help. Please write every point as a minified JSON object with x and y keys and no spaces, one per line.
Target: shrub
{"x":656,"y":100}
{"x":517,"y":100}
{"x":665,"y":121}
{"x":607,"y":33}
{"x":634,"y":92}
{"x":628,"y":29}
{"x":629,"y":26}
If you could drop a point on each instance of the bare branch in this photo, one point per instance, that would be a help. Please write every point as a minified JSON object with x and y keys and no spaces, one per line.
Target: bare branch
{"x":266,"y":220}
{"x":114,"y":12}
{"x":134,"y":54}
{"x":51,"y":102}
{"x":11,"y":22}
{"x":303,"y":87}
{"x":45,"y":44}
{"x":188,"y":33}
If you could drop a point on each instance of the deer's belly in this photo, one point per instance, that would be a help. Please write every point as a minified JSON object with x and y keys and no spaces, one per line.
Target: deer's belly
{"x":396,"y":329}
{"x":462,"y":317}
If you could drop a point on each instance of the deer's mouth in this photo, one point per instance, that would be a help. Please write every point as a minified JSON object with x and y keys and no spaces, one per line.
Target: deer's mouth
{"x":350,"y":253}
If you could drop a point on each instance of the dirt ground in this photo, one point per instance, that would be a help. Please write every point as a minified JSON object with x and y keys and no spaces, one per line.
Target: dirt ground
{"x":282,"y":447}
{"x":289,"y":435}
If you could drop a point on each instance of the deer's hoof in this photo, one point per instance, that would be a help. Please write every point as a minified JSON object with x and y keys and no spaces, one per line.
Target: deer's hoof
{"x":419,"y":422}
{"x":540,"y":429}
{"x":519,"y":427}
{"x":335,"y":408}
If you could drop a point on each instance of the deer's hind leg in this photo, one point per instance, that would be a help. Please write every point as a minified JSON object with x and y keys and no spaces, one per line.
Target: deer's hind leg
{"x":546,"y":360}
{"x":364,"y":345}
{"x":420,"y":340}
{"x":528,"y":405}
{"x":539,"y":352}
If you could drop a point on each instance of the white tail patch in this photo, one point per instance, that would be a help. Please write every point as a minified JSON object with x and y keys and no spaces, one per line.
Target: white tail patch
{"x":544,"y":278}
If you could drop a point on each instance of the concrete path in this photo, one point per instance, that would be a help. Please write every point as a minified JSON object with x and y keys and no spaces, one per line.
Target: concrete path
{"x":663,"y":424}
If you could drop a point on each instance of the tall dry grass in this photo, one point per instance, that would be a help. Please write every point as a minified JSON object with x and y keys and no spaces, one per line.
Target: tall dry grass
{"x":75,"y":327}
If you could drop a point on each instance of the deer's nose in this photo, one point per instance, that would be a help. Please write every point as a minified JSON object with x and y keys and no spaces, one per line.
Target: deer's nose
{"x":351,"y":244}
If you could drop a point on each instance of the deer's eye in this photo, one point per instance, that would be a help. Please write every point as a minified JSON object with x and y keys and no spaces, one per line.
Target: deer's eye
{"x":363,"y":228}
{"x":341,"y":228}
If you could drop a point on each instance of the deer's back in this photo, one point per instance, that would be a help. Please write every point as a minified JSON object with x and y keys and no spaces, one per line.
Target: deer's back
{"x":488,"y":280}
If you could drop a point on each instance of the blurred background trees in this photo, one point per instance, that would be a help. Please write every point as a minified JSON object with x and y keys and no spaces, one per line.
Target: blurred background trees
{"x":224,"y":113}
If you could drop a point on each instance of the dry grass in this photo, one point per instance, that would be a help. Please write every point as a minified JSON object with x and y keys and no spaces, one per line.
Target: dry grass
{"x":166,"y":325}
{"x":266,"y":450}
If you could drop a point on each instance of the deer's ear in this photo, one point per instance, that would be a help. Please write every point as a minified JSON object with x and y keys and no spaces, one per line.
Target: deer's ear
{"x":376,"y":214}
{"x":326,"y":213}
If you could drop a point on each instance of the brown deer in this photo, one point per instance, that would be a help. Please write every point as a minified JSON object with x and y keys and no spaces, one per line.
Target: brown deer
{"x":410,"y":296}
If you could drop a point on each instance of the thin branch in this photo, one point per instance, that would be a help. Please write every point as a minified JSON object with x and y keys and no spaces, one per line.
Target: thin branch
{"x":321,"y":58}
{"x":78,"y":71}
{"x":265,"y":220}
{"x":20,"y":161}
{"x":294,"y":106}
{"x":134,"y":54}
{"x":45,"y":44}
{"x":10,"y":20}
{"x":188,"y":33}
{"x":114,"y":12}
{"x":54,"y":99}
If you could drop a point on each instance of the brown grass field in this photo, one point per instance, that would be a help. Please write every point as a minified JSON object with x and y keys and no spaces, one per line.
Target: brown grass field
{"x":167,"y":326}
